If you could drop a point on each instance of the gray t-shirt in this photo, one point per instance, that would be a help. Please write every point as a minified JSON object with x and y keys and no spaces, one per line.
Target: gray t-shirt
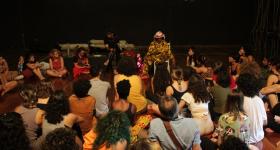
{"x":28,"y":116}
{"x":99,"y":91}
{"x":185,"y":129}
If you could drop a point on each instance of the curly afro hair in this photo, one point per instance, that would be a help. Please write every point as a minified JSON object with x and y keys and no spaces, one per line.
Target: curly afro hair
{"x":12,"y":132}
{"x":248,"y":84}
{"x":123,"y":89}
{"x":114,"y":127}
{"x":60,"y":139}
{"x":127,"y":66}
{"x":57,"y":107}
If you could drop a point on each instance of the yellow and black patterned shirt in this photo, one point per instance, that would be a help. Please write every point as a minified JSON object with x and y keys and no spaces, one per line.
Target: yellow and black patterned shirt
{"x":158,"y":52}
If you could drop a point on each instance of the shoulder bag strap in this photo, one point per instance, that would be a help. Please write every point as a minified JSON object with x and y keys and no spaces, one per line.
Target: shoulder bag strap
{"x":172,"y":135}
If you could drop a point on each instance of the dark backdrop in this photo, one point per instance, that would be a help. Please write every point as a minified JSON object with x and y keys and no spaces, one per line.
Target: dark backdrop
{"x":47,"y":22}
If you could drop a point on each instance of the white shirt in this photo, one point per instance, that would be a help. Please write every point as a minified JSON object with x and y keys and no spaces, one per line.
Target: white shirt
{"x":99,"y":90}
{"x":254,"y":109}
{"x":198,"y":110}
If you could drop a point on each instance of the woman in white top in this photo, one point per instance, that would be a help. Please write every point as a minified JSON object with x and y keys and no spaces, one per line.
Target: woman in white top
{"x":197,"y":99}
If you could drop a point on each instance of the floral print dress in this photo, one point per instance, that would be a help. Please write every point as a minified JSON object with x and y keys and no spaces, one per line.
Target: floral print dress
{"x":238,"y":127}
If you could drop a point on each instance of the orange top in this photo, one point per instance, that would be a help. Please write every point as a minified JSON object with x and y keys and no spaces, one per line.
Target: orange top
{"x":83,"y":107}
{"x":89,"y":138}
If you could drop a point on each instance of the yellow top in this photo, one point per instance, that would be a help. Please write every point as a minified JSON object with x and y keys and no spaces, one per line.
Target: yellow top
{"x":135,"y":95}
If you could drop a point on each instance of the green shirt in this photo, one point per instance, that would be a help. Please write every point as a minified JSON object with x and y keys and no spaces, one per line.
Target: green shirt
{"x":220,"y":96}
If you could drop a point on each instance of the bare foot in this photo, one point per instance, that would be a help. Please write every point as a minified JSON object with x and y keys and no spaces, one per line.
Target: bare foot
{"x":268,"y":130}
{"x":106,"y":62}
{"x":214,"y":140}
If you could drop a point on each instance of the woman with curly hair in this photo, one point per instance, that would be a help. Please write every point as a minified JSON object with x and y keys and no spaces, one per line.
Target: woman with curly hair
{"x":12,"y":132}
{"x":57,"y":114}
{"x":111,"y":132}
{"x":56,"y":62}
{"x":127,"y":71}
{"x":197,"y":99}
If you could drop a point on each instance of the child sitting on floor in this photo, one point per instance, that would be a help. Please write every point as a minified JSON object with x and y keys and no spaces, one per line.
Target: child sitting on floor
{"x":81,"y":63}
{"x":56,"y":63}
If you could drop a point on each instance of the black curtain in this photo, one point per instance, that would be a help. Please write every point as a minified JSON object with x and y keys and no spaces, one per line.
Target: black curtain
{"x":266,"y":32}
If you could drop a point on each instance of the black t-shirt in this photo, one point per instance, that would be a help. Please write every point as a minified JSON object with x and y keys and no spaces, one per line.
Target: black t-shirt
{"x":112,"y":42}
